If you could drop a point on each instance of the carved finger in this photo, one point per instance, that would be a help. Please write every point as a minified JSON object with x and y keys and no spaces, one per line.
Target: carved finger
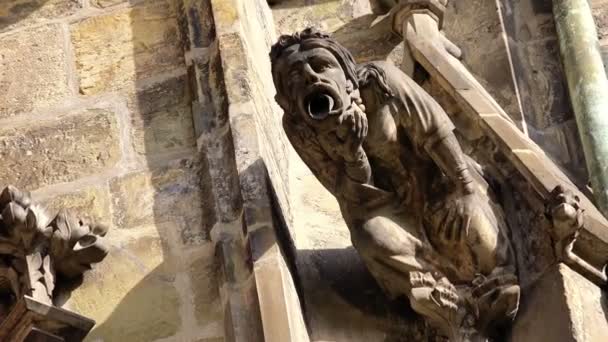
{"x":364,"y":127}
{"x":444,"y":227}
{"x":439,"y":229}
{"x":464,"y":232}
{"x":357,"y":125}
{"x":456,"y":227}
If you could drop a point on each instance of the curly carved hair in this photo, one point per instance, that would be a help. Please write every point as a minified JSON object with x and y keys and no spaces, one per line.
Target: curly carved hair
{"x":363,"y":75}
{"x":311,"y":38}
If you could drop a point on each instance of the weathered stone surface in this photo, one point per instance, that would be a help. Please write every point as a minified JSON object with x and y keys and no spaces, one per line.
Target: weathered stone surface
{"x":32,"y":70}
{"x":542,"y":86}
{"x":600,"y":15}
{"x":471,"y":24}
{"x":295,"y":15}
{"x":206,"y":297}
{"x":106,"y":3}
{"x":169,"y":195}
{"x":60,"y":149}
{"x":132,"y":295}
{"x":17,"y":13}
{"x":162,"y":118}
{"x":91,"y":204}
{"x":120,"y":49}
{"x":224,"y":177}
{"x":200,"y":25}
{"x":575,"y":307}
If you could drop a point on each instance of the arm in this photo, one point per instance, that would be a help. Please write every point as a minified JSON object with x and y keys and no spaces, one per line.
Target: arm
{"x":306,"y":145}
{"x":339,"y":166}
{"x":445,"y":151}
{"x":430,"y":127}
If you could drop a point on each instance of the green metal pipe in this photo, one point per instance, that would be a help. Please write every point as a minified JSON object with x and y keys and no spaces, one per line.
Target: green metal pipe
{"x":588,"y":87}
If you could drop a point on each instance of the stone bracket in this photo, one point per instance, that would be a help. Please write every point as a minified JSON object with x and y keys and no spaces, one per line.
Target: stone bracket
{"x":31,"y":320}
{"x":528,"y":158}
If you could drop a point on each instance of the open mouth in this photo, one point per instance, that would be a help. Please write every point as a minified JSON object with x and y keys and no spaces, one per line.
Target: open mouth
{"x":321,"y":102}
{"x":319,"y":105}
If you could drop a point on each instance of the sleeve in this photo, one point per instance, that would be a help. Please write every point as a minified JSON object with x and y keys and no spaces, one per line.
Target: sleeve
{"x":423,"y":117}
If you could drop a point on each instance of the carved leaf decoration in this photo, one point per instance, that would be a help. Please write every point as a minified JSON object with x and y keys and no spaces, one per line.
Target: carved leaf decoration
{"x":62,"y":229}
{"x":39,"y":293}
{"x":34,"y":266}
{"x":88,"y":250}
{"x":12,"y":194}
{"x":14,"y":217}
{"x":49,"y":275}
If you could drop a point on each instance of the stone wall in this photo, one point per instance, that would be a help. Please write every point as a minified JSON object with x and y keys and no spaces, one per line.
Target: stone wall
{"x":95,"y":114}
{"x":533,"y":50}
{"x":600,"y":14}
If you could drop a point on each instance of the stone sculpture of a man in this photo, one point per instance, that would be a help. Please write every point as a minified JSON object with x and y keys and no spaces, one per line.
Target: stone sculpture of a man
{"x":418,"y":209}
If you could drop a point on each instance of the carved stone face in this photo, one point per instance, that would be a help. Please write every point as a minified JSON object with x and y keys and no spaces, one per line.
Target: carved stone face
{"x":315,"y":84}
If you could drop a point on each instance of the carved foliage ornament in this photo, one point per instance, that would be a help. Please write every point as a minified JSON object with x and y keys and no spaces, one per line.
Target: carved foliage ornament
{"x":42,"y":256}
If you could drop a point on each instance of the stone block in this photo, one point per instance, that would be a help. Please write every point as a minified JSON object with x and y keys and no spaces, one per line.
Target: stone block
{"x":213,"y":113}
{"x":574,"y":306}
{"x":236,"y":77}
{"x":242,"y":322}
{"x":224,"y":177}
{"x":122,"y":48}
{"x":41,"y":152}
{"x":205,"y":291}
{"x":91,"y":204}
{"x":33,"y":72}
{"x":280,"y":308}
{"x":161,"y":118}
{"x":132,"y":294}
{"x":169,"y":194}
{"x":19,"y":13}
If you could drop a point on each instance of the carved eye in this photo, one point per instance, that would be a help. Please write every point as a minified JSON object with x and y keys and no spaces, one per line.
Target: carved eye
{"x":320,"y":65}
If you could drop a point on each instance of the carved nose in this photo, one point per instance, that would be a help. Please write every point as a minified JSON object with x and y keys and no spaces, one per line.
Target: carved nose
{"x":311,"y":76}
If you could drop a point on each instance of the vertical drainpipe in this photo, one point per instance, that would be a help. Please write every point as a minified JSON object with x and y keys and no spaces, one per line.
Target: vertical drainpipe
{"x":588,"y":87}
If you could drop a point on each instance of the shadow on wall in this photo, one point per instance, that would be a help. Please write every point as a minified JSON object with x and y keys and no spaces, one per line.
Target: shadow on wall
{"x":348,"y":303}
{"x":159,"y":280}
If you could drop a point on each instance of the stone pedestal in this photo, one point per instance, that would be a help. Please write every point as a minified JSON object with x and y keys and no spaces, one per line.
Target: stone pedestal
{"x":32,"y":321}
{"x":562,"y":306}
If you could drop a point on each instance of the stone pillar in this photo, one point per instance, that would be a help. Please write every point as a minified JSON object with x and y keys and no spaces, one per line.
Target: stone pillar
{"x":562,"y":306}
{"x":238,"y":128}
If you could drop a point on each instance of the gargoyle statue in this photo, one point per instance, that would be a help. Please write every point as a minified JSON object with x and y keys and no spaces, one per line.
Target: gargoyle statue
{"x":419,"y":211}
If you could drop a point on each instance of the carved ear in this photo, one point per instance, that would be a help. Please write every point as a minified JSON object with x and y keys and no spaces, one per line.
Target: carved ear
{"x":349,"y":86}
